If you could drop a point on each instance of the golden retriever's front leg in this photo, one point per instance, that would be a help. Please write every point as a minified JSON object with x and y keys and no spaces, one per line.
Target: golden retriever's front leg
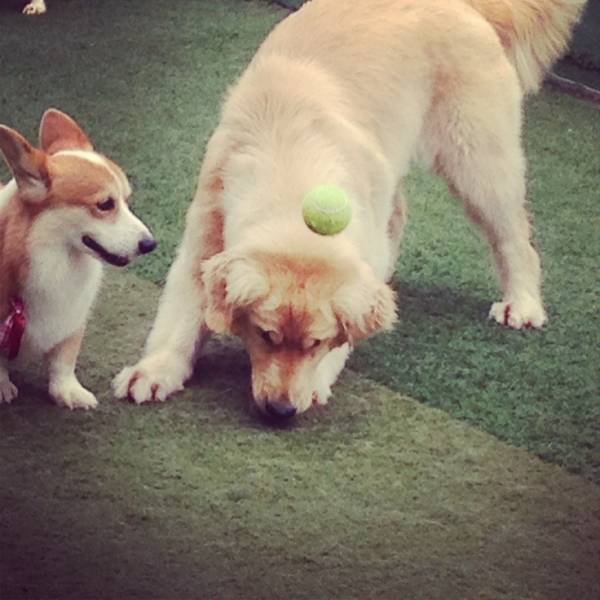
{"x":328,"y":371}
{"x":64,"y":387}
{"x":179,"y":328}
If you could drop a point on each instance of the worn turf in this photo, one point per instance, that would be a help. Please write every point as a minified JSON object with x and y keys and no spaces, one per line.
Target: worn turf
{"x":376,"y":495}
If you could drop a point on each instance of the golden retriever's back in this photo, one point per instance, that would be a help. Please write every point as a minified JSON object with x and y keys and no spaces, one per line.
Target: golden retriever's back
{"x":534,"y":33}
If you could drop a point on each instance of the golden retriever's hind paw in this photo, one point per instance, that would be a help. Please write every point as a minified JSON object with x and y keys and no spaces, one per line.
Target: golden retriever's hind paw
{"x":148,"y":381}
{"x":524,"y":314}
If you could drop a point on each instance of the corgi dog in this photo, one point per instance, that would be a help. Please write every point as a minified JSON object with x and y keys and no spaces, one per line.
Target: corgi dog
{"x":62,"y":216}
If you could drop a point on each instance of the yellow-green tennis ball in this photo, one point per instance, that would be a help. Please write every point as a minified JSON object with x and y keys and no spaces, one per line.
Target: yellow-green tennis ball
{"x":326,"y":209}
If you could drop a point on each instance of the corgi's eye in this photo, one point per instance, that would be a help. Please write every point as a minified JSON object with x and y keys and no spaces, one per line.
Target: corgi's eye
{"x":107,"y":205}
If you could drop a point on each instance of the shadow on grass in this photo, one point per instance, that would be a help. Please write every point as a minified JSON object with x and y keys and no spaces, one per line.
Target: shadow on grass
{"x":418,"y":302}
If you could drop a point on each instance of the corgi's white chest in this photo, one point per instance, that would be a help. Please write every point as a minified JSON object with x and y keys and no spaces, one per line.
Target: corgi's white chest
{"x":58,"y":295}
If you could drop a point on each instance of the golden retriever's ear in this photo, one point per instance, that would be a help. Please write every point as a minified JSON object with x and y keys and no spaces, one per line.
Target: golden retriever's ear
{"x":365,"y":307}
{"x":58,"y":132}
{"x":28,"y":165}
{"x":232,"y":282}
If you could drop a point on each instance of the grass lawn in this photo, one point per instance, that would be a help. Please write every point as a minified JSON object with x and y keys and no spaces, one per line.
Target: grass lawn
{"x":419,"y":480}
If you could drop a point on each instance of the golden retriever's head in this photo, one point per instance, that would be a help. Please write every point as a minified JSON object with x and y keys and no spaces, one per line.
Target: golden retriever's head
{"x":290,"y":312}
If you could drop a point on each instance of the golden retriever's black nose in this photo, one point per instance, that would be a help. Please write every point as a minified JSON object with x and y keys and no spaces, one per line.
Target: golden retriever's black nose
{"x":146,"y":245}
{"x":280,"y":410}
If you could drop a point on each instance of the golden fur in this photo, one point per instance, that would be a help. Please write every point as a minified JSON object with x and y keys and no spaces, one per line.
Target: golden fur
{"x":350,"y":93}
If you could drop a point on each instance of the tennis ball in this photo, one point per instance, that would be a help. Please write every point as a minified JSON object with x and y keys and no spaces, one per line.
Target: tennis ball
{"x":326,"y":209}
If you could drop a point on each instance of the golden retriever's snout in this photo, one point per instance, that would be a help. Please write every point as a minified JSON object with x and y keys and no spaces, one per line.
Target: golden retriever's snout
{"x":279,"y":409}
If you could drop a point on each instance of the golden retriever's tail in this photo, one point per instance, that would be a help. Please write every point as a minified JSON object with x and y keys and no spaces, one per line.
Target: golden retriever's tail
{"x":534,"y":32}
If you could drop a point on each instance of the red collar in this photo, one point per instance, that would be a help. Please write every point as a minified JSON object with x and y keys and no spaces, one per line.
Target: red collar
{"x":12,"y":329}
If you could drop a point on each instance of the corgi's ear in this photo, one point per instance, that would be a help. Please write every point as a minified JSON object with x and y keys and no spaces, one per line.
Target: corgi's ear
{"x":28,"y":165}
{"x":59,"y":132}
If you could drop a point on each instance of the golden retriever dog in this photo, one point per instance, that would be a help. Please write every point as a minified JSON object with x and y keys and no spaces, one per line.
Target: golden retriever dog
{"x":349,"y":94}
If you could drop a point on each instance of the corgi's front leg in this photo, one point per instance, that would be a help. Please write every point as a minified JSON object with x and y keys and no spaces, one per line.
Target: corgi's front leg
{"x":64,"y":387}
{"x":8,"y":392}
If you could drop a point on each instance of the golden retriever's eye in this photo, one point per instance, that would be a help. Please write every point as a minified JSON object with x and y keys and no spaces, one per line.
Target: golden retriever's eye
{"x":106,"y":205}
{"x":310,"y":344}
{"x":266,"y":337}
{"x":271,"y":338}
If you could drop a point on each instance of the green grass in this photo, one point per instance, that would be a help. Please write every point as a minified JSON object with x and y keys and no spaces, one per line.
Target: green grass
{"x":375,"y":495}
{"x":147,"y":85}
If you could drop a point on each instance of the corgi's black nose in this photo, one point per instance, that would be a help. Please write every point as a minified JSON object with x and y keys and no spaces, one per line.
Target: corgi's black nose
{"x":146,"y":245}
{"x":280,"y":410}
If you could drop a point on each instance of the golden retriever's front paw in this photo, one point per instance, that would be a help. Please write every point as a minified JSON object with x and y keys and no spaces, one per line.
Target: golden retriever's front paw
{"x":8,"y":391}
{"x":525,"y":312}
{"x":153,"y":379}
{"x":71,"y":394}
{"x":321,"y":395}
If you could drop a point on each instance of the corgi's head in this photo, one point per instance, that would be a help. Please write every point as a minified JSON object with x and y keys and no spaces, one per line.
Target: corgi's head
{"x":76,"y":195}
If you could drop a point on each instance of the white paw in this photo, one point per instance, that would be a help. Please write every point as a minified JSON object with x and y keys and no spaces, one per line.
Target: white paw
{"x":523,"y":312}
{"x":8,"y":392}
{"x":328,"y":371}
{"x":37,"y":7}
{"x":71,"y":394}
{"x":321,"y":395}
{"x":153,"y":379}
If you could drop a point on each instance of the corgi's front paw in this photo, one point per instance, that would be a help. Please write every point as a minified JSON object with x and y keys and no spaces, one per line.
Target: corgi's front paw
{"x":36,"y":7}
{"x":8,"y":391}
{"x":153,"y":379}
{"x":71,"y":394}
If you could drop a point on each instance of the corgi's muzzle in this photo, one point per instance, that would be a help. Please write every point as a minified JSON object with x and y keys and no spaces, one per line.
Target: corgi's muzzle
{"x":145,"y":245}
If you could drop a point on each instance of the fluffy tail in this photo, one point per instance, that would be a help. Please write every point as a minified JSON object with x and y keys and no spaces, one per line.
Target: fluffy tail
{"x":534,"y":32}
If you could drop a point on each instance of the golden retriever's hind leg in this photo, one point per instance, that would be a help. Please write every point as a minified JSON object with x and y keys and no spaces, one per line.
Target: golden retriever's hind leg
{"x":482,"y":161}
